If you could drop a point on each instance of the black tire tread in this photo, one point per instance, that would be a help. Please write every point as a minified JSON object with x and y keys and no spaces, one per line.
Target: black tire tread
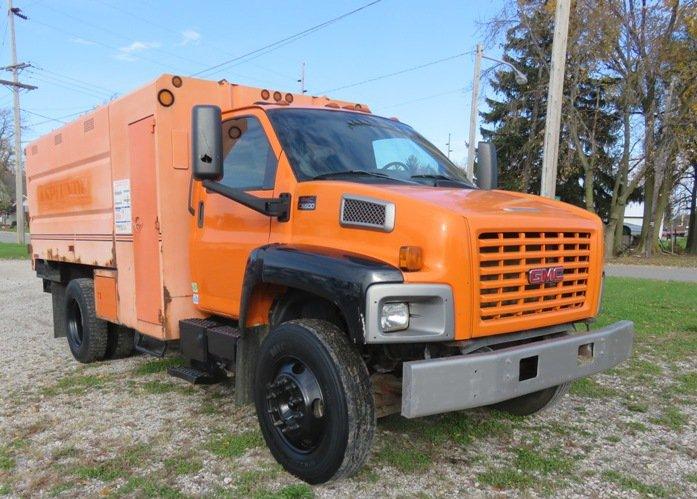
{"x":355,"y":380}
{"x":534,"y":403}
{"x":120,"y":343}
{"x":93,"y":326}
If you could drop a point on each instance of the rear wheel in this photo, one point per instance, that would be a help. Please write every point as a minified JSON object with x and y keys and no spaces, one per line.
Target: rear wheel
{"x":120,"y":342}
{"x":87,"y":334}
{"x":535,"y":402}
{"x":313,"y":400}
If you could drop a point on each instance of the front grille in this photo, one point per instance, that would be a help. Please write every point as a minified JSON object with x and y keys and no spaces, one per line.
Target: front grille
{"x":505,"y":258}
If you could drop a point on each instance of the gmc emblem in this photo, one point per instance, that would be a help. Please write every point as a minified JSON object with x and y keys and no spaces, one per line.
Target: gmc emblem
{"x":543,"y":276}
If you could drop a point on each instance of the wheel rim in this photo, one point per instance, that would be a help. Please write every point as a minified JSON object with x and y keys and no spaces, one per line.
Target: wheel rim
{"x":295,"y":404}
{"x":75,"y":330}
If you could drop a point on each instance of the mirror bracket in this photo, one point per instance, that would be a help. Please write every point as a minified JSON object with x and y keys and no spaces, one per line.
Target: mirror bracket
{"x":273,"y":207}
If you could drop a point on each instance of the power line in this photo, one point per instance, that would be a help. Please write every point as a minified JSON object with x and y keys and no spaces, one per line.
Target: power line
{"x":179,"y":33}
{"x":396,"y":73}
{"x":83,"y":87}
{"x":289,"y":39}
{"x":68,"y":86}
{"x":58,"y":119}
{"x":97,"y":42}
{"x":66,"y":77}
{"x":428,"y":97}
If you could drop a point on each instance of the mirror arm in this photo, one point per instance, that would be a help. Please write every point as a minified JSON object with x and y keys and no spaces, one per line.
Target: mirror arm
{"x":274,"y":207}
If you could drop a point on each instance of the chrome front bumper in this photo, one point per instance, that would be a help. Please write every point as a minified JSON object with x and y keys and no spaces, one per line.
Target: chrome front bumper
{"x":435,"y":386}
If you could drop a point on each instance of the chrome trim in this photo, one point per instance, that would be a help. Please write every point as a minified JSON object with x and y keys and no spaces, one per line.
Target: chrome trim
{"x":390,"y":210}
{"x":446,"y":384}
{"x":430,"y":306}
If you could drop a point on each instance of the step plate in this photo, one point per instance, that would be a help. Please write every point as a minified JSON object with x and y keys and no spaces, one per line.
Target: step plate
{"x":195,"y":376}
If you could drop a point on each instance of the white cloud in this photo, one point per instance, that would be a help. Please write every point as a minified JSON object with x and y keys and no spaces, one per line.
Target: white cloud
{"x":190,"y":36}
{"x":127,"y":53}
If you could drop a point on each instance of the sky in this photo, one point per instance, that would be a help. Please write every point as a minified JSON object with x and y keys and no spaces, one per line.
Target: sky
{"x":84,"y":52}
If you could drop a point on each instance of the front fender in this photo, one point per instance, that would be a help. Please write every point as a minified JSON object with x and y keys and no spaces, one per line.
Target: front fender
{"x":338,"y":276}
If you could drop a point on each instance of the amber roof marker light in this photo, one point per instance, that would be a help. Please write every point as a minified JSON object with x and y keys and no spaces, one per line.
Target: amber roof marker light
{"x":265,"y":94}
{"x":177,"y":81}
{"x":165,"y":97}
{"x":289,"y":98}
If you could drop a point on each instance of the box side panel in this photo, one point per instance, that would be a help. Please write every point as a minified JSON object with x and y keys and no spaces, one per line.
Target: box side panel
{"x":145,"y":224}
{"x":69,"y":191}
{"x":124,"y":112}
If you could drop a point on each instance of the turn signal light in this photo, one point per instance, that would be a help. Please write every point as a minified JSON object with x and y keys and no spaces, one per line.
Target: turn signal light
{"x":410,"y":258}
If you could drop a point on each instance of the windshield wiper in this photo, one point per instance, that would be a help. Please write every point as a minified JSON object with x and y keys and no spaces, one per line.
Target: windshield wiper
{"x":350,"y":172}
{"x":437,"y":177}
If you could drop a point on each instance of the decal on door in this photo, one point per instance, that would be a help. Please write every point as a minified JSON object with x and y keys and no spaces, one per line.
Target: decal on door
{"x":122,"y":206}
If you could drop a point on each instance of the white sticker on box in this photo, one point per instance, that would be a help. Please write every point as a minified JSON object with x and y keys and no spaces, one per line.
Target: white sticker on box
{"x":122,"y":206}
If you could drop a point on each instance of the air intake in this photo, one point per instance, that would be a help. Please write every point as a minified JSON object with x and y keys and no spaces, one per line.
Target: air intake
{"x":367,"y":213}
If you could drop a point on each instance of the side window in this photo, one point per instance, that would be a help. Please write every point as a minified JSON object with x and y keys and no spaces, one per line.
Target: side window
{"x":249,"y":162}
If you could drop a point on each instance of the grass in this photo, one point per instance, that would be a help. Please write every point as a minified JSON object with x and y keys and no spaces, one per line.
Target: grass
{"x":543,"y":461}
{"x":404,"y":457}
{"x":628,"y":483}
{"x":664,"y":314}
{"x":587,"y":387}
{"x":140,"y":486}
{"x":13,"y":251}
{"x":77,"y":384}
{"x":231,"y":445}
{"x":157,"y":366}
{"x":671,"y":418}
{"x":251,"y":484}
{"x":117,"y":467}
{"x":506,"y":478}
{"x":7,"y":462}
{"x":183,"y":465}
{"x":5,"y":490}
{"x":686,"y":384}
{"x":156,"y":387}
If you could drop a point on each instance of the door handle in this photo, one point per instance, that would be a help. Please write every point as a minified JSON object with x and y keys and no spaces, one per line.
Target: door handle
{"x":200,"y":214}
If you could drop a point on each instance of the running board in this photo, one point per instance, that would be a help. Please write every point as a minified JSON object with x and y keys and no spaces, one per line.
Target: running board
{"x":196,"y":376}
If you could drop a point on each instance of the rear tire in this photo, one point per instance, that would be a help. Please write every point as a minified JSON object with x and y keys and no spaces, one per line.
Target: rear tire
{"x":120,"y":342}
{"x":87,"y":334}
{"x":313,"y":400}
{"x":535,"y":402}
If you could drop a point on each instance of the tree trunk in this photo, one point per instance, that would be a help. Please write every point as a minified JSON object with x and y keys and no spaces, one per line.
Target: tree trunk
{"x":691,"y":246}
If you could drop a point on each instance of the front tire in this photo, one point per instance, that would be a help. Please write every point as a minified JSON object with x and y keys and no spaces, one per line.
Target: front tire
{"x":535,"y":402}
{"x":313,"y":401}
{"x":87,"y":334}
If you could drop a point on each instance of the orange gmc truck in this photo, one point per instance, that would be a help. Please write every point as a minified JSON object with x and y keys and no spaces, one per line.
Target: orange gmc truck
{"x":335,"y":261}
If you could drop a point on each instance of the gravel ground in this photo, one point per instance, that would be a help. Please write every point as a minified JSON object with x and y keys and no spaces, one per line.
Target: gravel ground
{"x":125,"y":428}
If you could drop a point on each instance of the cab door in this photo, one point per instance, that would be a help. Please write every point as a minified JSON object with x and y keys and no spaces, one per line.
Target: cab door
{"x":226,"y":232}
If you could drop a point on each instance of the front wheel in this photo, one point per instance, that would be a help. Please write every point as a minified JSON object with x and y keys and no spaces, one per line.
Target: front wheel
{"x":535,"y":402}
{"x":313,"y":401}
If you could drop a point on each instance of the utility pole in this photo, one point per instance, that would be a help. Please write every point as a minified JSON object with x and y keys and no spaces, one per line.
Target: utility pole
{"x":448,"y":144}
{"x":19,"y":176}
{"x":550,"y":150}
{"x":302,"y":79}
{"x":473,"y":110}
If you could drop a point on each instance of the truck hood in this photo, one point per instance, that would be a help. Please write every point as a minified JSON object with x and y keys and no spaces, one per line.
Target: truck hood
{"x":476,"y":203}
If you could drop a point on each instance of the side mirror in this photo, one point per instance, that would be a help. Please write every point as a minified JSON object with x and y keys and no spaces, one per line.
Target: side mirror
{"x":487,"y":171}
{"x":207,"y":143}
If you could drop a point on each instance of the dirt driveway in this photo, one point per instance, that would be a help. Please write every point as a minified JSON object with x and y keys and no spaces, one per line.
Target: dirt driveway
{"x":125,"y":428}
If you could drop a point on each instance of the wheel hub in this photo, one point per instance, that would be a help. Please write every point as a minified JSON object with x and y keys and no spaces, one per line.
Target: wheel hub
{"x":295,"y":404}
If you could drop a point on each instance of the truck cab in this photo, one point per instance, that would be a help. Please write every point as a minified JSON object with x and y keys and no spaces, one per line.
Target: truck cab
{"x":336,"y":261}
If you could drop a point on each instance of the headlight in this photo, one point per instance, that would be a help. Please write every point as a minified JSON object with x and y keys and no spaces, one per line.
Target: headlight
{"x":394,"y":317}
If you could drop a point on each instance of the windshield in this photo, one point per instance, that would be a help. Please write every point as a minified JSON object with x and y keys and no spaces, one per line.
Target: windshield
{"x":335,"y":144}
